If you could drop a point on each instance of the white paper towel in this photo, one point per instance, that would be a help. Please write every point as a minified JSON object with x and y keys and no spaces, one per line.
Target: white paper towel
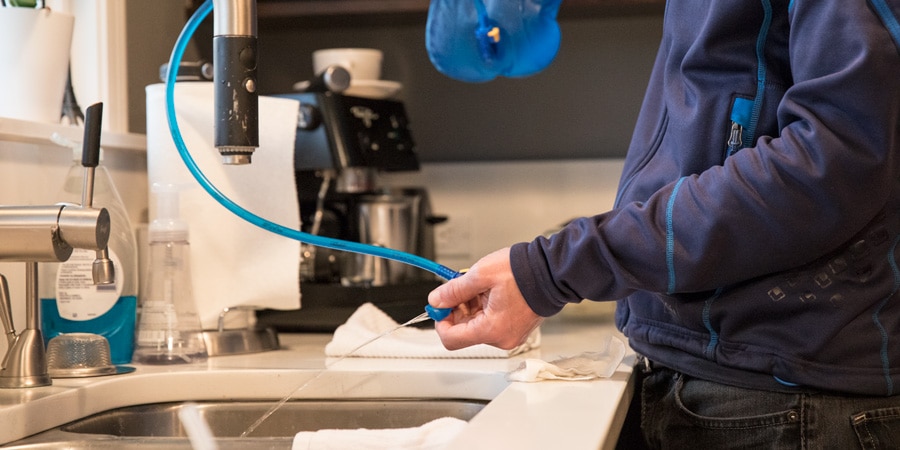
{"x":233,"y":263}
{"x":584,"y":366}
{"x":369,"y":322}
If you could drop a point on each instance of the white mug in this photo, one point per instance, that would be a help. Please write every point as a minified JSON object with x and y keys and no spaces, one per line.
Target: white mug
{"x":34,"y":48}
{"x":362,"y":63}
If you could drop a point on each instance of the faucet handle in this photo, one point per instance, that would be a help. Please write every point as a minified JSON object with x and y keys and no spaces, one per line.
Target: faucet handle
{"x":90,"y":152}
{"x":6,"y":311}
{"x":93,"y":118}
{"x":103,"y":270}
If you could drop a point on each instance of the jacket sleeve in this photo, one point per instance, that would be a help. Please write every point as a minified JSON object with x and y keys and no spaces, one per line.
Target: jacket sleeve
{"x":788,"y":200}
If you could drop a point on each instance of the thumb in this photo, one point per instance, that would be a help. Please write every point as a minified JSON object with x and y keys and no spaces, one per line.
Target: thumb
{"x":452,"y":293}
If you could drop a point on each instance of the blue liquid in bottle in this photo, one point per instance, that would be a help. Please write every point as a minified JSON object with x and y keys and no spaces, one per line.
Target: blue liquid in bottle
{"x":117,"y":325}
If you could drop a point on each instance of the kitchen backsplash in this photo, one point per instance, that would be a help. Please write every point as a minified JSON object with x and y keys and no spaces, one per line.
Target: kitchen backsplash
{"x":490,"y":205}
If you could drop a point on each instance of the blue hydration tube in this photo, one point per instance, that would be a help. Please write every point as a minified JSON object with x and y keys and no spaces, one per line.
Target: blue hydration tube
{"x":320,"y":241}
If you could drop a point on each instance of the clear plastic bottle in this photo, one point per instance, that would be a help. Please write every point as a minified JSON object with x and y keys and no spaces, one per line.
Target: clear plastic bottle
{"x":70,"y":302}
{"x":169,"y":329}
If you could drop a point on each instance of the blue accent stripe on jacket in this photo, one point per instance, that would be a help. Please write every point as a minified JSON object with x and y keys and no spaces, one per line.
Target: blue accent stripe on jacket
{"x":713,"y":334}
{"x":670,"y":236}
{"x":889,"y":18}
{"x":885,"y":336}
{"x":750,"y":132}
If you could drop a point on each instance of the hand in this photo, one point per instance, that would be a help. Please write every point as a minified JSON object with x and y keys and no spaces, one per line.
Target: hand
{"x":488,"y":307}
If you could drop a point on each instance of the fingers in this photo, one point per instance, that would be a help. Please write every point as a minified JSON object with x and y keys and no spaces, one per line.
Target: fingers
{"x":487,"y":306}
{"x":500,"y":331}
{"x":457,"y":334}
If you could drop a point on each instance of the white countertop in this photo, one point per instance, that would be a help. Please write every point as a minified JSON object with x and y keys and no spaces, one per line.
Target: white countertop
{"x":549,"y":414}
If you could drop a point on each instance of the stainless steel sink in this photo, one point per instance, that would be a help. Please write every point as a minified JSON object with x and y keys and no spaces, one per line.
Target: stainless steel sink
{"x":158,"y":426}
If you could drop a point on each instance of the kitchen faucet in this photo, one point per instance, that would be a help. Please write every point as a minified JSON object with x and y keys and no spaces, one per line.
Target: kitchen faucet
{"x":33,"y":234}
{"x":234,"y":78}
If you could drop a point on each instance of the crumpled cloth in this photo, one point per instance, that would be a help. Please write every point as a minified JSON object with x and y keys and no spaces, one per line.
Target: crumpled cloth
{"x":368,"y":322}
{"x":433,"y":435}
{"x":585,"y":366}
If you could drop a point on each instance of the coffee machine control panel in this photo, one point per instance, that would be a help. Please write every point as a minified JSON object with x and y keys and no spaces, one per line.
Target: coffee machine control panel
{"x":337,"y":131}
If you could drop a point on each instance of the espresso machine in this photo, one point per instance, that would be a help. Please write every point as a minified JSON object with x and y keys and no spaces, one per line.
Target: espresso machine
{"x":343,"y":143}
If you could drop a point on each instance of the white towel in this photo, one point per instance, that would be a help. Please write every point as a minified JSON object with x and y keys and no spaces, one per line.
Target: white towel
{"x":585,"y":366}
{"x":433,"y":435}
{"x":368,"y":322}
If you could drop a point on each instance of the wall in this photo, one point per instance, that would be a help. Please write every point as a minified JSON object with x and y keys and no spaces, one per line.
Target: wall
{"x":490,"y":205}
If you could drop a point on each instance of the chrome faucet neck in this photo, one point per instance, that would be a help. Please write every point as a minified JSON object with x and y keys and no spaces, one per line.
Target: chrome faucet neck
{"x":234,"y":18}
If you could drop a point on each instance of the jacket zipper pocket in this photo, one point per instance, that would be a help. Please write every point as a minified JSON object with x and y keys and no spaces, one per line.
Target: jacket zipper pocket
{"x":734,"y":143}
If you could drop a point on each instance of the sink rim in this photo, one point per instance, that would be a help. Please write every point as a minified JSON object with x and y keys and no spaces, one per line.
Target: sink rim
{"x":225,"y":416}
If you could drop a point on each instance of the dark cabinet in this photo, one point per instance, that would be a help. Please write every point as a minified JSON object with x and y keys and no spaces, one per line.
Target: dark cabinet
{"x":285,"y":9}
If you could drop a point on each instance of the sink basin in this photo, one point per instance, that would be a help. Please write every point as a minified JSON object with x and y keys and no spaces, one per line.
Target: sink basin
{"x":158,"y":426}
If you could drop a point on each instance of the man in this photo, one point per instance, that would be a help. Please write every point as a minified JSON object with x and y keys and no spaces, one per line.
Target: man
{"x":753,"y":245}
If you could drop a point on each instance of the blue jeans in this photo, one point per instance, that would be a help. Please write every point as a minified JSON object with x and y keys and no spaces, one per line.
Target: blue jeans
{"x":682,"y":412}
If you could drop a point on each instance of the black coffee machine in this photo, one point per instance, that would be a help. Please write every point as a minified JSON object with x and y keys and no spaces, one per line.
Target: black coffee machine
{"x":343,"y":143}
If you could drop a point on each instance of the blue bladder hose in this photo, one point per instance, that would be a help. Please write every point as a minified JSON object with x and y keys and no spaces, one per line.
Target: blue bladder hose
{"x":319,"y":241}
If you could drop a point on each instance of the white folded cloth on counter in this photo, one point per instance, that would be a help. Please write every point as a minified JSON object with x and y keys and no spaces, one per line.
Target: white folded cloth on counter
{"x":585,"y":366}
{"x":369,"y":322}
{"x":433,"y":435}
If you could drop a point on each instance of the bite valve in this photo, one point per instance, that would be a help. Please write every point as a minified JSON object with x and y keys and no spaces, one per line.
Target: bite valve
{"x":437,"y":314}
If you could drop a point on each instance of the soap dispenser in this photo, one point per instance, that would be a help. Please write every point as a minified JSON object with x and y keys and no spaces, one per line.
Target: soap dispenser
{"x":70,"y":301}
{"x":169,"y":329}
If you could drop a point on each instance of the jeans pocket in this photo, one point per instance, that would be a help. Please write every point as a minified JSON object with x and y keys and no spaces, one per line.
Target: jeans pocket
{"x":714,"y":405}
{"x":720,"y":416}
{"x":877,"y":428}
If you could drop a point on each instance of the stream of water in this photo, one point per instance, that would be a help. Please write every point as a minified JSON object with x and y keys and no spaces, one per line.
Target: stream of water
{"x":420,"y":318}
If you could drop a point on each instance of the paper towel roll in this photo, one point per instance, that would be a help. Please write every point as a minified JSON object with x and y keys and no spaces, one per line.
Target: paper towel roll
{"x":233,"y":263}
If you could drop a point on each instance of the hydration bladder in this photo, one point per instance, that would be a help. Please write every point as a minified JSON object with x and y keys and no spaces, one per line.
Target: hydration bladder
{"x":479,"y":40}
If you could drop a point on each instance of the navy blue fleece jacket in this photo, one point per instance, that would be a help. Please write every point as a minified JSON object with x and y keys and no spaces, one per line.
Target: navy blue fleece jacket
{"x":771,"y":262}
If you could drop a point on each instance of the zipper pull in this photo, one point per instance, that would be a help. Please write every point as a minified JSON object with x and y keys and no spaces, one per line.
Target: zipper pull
{"x":734,"y":139}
